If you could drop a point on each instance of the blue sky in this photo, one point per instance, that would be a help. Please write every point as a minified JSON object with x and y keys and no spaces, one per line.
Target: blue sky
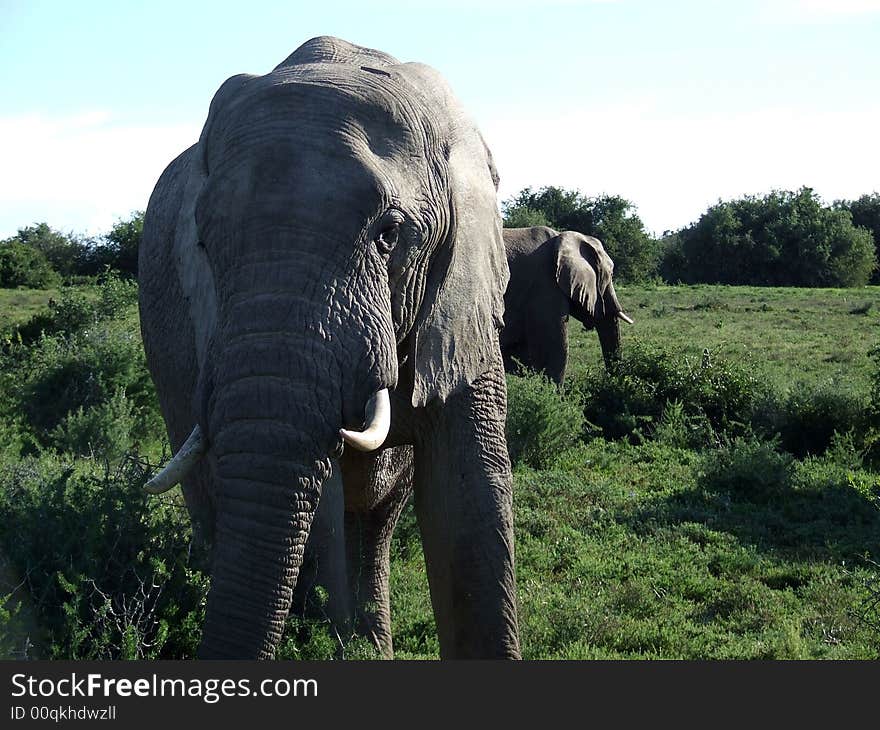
{"x":671,"y":104}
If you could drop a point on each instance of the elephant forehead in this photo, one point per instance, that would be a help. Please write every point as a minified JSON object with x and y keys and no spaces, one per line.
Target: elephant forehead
{"x":331,"y":96}
{"x":331,"y":118}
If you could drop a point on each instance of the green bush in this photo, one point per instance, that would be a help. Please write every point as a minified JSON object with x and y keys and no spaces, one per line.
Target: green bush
{"x":521,"y":216}
{"x":681,"y":430}
{"x":103,"y":431}
{"x":73,"y":310}
{"x":107,"y":567}
{"x":542,"y":422}
{"x":75,"y":257}
{"x":21,"y":265}
{"x":112,"y":298}
{"x":663,"y":395}
{"x":812,"y":415}
{"x":713,"y":394}
{"x":83,"y":370}
{"x":747,"y":466}
{"x":60,"y":381}
{"x":780,"y":239}
{"x":872,"y":414}
{"x":123,"y":241}
{"x":64,"y":251}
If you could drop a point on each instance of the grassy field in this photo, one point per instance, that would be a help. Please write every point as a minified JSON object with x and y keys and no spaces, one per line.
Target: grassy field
{"x":659,"y":544}
{"x":786,"y":335}
{"x":17,"y":306}
{"x":624,"y":552}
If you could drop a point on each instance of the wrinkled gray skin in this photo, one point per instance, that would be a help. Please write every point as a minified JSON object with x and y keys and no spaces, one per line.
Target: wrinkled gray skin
{"x":553,"y":276}
{"x":348,"y":555}
{"x":335,"y":231}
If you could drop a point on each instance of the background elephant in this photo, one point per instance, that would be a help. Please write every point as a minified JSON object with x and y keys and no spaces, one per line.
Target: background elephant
{"x":554,"y":275}
{"x":329,"y":256}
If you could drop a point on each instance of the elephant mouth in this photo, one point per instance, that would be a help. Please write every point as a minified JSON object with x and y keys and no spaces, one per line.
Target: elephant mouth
{"x":377,"y":424}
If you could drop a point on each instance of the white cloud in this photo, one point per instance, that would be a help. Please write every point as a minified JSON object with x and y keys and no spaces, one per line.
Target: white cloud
{"x":81,"y":172}
{"x":674,"y":167}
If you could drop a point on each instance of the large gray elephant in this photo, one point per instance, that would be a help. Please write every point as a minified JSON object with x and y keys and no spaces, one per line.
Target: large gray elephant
{"x":322,"y":276}
{"x":553,"y":276}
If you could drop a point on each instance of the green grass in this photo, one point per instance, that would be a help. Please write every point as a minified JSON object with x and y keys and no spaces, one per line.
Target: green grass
{"x":635,"y":548}
{"x":785,"y":334}
{"x":622,"y":554}
{"x":17,"y":306}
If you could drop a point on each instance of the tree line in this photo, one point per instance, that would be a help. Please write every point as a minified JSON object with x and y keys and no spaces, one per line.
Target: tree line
{"x":40,"y":257}
{"x":782,"y":238}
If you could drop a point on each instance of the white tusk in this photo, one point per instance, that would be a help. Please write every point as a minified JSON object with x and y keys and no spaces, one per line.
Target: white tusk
{"x":625,"y":317}
{"x":180,"y":465}
{"x":377,"y":425}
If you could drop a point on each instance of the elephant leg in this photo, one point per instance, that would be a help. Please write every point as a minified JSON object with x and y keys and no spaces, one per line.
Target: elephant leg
{"x":324,"y":565}
{"x":463,"y":503}
{"x":368,"y":536}
{"x":549,"y":349}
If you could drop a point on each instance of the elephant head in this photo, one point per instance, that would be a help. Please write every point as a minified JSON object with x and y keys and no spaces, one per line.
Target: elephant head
{"x":584,"y":273}
{"x":334,"y":237}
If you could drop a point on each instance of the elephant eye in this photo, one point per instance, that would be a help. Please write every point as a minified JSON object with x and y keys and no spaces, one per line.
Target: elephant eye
{"x":388,"y":236}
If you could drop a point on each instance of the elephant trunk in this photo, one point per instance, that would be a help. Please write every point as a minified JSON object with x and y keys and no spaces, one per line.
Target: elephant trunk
{"x":608,"y":328}
{"x":261,"y":533}
{"x":609,"y":339}
{"x":270,"y":447}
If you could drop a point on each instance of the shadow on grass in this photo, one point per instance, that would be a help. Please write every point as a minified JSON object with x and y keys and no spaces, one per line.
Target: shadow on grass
{"x":816,"y":520}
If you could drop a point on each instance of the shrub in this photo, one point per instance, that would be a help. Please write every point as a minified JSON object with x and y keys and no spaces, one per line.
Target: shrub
{"x":123,"y":242}
{"x":681,"y":430}
{"x":22,"y":265}
{"x":103,"y":431}
{"x":73,"y":310}
{"x":813,"y":414}
{"x":872,"y":413}
{"x":747,"y":466}
{"x":714,"y":395}
{"x":107,"y":567}
{"x":83,"y":353}
{"x":865,"y":213}
{"x":521,"y":216}
{"x":63,"y":374}
{"x":542,"y":422}
{"x":76,"y":257}
{"x":79,"y":306}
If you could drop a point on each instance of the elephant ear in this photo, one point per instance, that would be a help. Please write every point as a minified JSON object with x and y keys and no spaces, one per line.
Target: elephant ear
{"x":190,"y":260}
{"x":456,"y":334}
{"x":583,"y":270}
